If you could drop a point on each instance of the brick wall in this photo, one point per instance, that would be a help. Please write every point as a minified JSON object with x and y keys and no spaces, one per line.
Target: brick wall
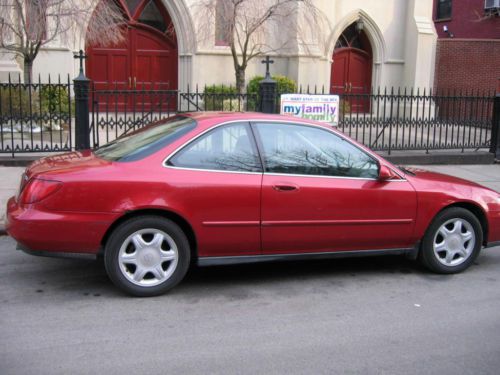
{"x":468,"y":20}
{"x":467,"y":64}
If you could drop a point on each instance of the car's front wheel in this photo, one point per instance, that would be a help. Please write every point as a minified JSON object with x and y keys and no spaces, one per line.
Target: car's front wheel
{"x":452,"y":241}
{"x":147,"y":256}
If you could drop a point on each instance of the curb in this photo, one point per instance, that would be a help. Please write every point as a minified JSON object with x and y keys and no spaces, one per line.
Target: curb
{"x":22,"y":161}
{"x":414,"y":158}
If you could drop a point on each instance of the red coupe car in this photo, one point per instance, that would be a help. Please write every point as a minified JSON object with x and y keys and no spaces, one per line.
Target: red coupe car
{"x":235,"y":188}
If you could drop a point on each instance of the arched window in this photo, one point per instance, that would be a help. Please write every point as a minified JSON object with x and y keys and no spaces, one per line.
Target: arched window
{"x":222,"y":22}
{"x":353,"y":38}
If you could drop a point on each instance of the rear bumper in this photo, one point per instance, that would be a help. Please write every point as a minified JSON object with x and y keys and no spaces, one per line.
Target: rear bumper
{"x":56,"y":254}
{"x":56,"y":232}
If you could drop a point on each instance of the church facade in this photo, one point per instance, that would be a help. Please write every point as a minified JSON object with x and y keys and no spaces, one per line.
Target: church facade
{"x":367,"y":44}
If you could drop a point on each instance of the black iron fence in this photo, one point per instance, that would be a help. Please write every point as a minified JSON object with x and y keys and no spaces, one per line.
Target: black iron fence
{"x":387,"y":119}
{"x":36,"y":117}
{"x":407,"y":119}
{"x":40,"y":117}
{"x":116,"y":112}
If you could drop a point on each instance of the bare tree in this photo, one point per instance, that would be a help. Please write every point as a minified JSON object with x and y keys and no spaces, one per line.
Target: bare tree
{"x":253,"y":28}
{"x":27,"y":25}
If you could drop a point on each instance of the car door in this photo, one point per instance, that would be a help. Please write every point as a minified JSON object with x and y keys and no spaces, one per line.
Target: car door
{"x":218,"y":180}
{"x":320,"y":193}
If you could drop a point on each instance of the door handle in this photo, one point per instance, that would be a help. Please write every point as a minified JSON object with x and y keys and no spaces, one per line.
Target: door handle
{"x":350,"y":86}
{"x":135,"y":82}
{"x":129,"y":82}
{"x":285,"y":187}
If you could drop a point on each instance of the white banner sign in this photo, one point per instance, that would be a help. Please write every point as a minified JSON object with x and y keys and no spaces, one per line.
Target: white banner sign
{"x":324,"y":108}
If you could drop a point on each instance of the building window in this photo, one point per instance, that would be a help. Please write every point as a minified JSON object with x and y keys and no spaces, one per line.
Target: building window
{"x":443,"y":9}
{"x":222,"y":23}
{"x":36,"y":20}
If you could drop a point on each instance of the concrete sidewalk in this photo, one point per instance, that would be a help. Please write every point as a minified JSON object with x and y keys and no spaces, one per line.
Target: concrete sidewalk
{"x":487,"y":175}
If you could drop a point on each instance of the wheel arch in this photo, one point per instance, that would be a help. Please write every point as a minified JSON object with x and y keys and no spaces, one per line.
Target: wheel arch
{"x":176,"y":218}
{"x":477,"y":211}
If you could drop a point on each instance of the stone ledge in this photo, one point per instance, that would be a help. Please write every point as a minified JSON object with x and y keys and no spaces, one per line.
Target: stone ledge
{"x":450,"y":158}
{"x":19,"y":161}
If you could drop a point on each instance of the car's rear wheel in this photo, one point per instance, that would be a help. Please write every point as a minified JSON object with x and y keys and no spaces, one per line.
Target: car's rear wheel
{"x":452,"y":241}
{"x":147,"y":256}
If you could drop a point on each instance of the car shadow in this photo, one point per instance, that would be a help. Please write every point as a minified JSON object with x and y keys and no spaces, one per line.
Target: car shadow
{"x":88,"y":278}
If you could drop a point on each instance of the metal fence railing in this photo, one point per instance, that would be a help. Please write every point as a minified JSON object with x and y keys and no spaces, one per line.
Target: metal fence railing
{"x":40,"y":117}
{"x":36,"y":116}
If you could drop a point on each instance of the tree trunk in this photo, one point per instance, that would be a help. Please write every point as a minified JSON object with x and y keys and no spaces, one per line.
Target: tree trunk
{"x":240,"y":79}
{"x":28,"y":70}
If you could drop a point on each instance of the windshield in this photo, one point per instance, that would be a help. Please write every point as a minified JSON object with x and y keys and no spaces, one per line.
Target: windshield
{"x":146,"y":141}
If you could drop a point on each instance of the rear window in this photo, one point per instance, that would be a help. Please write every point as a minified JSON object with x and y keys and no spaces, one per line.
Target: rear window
{"x":146,"y":141}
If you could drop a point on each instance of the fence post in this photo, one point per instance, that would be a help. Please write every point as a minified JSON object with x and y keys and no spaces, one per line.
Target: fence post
{"x":495,"y":127}
{"x":82,"y":126}
{"x":267,"y":90}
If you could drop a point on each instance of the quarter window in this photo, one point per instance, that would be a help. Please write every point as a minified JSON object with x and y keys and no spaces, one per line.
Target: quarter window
{"x":307,"y":150}
{"x":226,"y":148}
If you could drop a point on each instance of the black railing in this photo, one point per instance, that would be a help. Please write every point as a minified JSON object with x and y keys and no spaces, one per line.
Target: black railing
{"x":39,"y":117}
{"x":36,"y":116}
{"x":116,"y":112}
{"x":407,"y":119}
{"x":213,"y":98}
{"x":387,"y":119}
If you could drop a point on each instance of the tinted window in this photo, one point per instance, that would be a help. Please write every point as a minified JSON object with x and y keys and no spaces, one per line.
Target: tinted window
{"x":146,"y":141}
{"x":306,"y":150}
{"x":226,"y":148}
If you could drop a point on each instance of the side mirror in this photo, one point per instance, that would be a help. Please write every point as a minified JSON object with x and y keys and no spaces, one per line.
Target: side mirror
{"x":385,"y":173}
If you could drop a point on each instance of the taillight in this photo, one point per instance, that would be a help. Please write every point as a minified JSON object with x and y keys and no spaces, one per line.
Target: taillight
{"x":38,"y":189}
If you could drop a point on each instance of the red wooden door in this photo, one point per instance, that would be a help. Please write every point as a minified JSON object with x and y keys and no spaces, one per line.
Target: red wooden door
{"x":153,"y":68}
{"x":145,"y":62}
{"x":351,"y":77}
{"x":109,"y":68}
{"x":340,"y":72}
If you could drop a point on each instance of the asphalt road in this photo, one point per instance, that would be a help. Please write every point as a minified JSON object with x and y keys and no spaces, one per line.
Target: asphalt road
{"x":365,"y":315}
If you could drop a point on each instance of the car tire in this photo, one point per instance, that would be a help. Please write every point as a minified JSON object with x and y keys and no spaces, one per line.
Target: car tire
{"x":452,"y":242}
{"x":147,"y":256}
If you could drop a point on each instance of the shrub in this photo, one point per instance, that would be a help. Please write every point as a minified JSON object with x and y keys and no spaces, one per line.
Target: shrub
{"x":15,"y":101}
{"x":55,"y":99}
{"x":233,"y":105}
{"x":285,"y":85}
{"x":344,"y":107}
{"x":215,"y":98}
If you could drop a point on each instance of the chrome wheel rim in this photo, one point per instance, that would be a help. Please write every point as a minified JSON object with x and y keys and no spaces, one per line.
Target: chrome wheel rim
{"x":454,"y":242}
{"x":148,"y":257}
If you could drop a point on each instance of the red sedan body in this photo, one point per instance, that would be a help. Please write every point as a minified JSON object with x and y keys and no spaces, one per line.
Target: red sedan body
{"x":237,"y":216}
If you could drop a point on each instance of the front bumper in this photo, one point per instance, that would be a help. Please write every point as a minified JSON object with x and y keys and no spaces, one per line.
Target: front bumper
{"x":56,"y":232}
{"x":493,"y":229}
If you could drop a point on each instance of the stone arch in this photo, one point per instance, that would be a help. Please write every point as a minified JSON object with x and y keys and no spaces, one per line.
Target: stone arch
{"x":374,"y":35}
{"x":186,"y":39}
{"x":183,"y":23}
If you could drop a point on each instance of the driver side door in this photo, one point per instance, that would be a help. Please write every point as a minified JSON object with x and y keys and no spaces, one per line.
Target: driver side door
{"x":321,"y":193}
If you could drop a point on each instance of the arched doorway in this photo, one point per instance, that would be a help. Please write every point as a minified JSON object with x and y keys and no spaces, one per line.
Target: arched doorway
{"x":352,"y":68}
{"x":147,"y":59}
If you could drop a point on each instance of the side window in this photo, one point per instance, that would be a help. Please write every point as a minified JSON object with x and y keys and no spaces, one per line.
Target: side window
{"x":226,"y":148}
{"x":307,"y":150}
